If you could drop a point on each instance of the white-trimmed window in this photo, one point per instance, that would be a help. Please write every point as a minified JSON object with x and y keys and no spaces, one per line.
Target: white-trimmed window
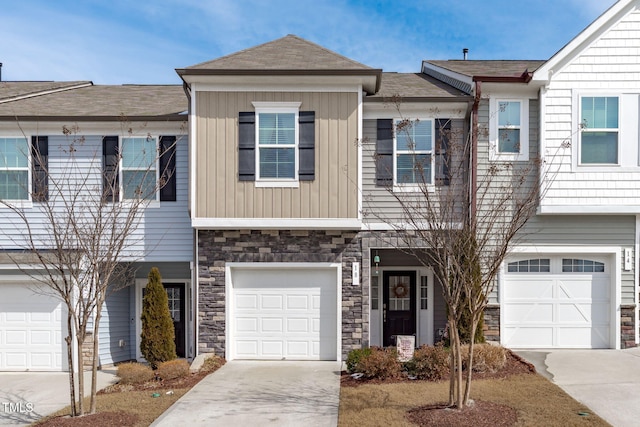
{"x":14,"y":169}
{"x":599,"y":122}
{"x":277,"y":142}
{"x":139,"y":168}
{"x":509,"y":129}
{"x":413,"y":152}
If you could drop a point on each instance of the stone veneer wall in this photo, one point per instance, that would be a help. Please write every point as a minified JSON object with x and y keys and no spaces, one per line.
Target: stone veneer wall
{"x":627,"y":326}
{"x":216,"y":248}
{"x":491,"y":326}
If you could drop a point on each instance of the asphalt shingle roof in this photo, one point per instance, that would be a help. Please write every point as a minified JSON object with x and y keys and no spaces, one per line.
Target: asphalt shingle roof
{"x":489,"y":68}
{"x":287,"y":53}
{"x":414,"y":85}
{"x":10,"y":90}
{"x":159,"y":102}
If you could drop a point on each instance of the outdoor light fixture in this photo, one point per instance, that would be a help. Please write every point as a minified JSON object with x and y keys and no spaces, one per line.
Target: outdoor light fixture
{"x":376,"y":259}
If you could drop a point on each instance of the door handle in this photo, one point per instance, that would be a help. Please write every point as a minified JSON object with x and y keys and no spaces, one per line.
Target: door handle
{"x":384,"y":316}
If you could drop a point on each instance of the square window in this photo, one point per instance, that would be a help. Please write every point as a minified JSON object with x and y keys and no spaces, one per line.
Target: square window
{"x":599,"y":135}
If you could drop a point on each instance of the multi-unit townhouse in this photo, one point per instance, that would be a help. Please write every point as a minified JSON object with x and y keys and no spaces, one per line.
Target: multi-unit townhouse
{"x":284,"y":236}
{"x":99,"y":121}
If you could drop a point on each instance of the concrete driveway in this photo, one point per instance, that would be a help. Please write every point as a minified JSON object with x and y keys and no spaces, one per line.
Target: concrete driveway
{"x":247,"y":393}
{"x":607,"y":381}
{"x":28,"y":396}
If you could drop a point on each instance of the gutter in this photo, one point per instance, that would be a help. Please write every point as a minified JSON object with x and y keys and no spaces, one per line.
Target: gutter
{"x":474,"y":149}
{"x":523,"y":78}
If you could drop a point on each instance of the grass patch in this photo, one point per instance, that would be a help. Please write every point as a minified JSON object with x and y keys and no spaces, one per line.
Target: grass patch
{"x":538,"y":402}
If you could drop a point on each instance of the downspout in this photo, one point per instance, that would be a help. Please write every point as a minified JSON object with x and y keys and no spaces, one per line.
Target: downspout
{"x":474,"y":151}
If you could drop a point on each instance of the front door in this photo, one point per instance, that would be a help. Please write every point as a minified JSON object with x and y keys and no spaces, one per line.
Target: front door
{"x":399,"y":305}
{"x":175,"y":293}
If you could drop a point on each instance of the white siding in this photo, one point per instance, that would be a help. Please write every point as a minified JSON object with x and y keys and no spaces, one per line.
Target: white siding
{"x":609,"y":66}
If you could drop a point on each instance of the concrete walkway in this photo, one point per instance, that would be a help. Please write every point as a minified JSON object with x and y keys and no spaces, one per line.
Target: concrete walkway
{"x":607,"y":381}
{"x":26,"y":397}
{"x":246,"y":393}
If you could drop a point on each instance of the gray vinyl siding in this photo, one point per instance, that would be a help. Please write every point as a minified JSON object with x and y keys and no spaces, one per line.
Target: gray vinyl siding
{"x":115,"y":326}
{"x":164,"y":233}
{"x":379,"y":204}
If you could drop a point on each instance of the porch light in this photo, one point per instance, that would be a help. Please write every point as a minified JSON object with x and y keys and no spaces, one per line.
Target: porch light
{"x":376,"y":260}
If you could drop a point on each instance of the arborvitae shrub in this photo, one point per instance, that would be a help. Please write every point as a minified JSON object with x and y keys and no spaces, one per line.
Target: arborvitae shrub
{"x":157,"y":342}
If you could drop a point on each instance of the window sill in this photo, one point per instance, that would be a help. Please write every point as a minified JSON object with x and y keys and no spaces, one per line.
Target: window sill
{"x":407,"y":188}
{"x":503,"y":157}
{"x":281,"y":184}
{"x":17,"y":204}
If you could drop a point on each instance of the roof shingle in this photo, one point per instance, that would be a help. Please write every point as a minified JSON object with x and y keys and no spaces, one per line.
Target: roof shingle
{"x":489,"y":68}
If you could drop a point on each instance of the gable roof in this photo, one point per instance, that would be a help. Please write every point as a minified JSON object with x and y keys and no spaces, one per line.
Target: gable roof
{"x":289,"y":55}
{"x":415,"y":87}
{"x":583,"y":40}
{"x":96,"y":103}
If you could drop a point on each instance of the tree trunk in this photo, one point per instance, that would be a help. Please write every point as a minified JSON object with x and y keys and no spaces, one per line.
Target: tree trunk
{"x":452,"y":367}
{"x":474,"y":326}
{"x":94,"y":365}
{"x":458,"y":356}
{"x":72,"y":384}
{"x":80,"y":341}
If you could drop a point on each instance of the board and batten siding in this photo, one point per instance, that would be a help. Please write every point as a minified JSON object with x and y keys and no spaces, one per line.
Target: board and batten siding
{"x":610,"y":66}
{"x":164,"y":232}
{"x":379,"y":204}
{"x":332,"y":194}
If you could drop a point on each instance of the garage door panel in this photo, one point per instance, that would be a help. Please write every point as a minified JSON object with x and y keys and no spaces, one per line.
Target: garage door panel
{"x":576,"y":337}
{"x":529,"y":336}
{"x":526,"y":288}
{"x":296,"y":315}
{"x":297,"y":302}
{"x":246,"y":302}
{"x":522,"y":312}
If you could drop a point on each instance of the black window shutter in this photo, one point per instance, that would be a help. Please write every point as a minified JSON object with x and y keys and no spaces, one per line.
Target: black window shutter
{"x":40,"y":167}
{"x":110,"y":160}
{"x":442,"y":152}
{"x":307,"y":145}
{"x":168,"y":168}
{"x":247,"y":146}
{"x":384,"y":153}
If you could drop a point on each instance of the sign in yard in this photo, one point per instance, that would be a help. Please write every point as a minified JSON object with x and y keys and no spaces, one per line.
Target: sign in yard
{"x":406,"y":344}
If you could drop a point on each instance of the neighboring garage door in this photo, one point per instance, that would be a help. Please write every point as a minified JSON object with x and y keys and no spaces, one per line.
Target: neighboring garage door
{"x":556,"y":302}
{"x":31,"y":328}
{"x":284,"y":314}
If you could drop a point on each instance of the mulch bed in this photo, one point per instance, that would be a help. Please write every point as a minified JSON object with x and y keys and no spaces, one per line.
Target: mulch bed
{"x":185,"y":382}
{"x":100,"y":419}
{"x":514,"y":365}
{"x":478,"y":414}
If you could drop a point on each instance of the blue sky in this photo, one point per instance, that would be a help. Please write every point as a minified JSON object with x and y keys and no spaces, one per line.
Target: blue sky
{"x":143,"y":41}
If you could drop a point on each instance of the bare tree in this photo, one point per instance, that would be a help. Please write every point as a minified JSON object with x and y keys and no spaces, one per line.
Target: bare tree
{"x":91,"y":201}
{"x":463,"y":224}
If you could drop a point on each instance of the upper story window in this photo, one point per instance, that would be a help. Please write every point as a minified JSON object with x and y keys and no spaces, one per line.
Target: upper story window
{"x":277,"y":145}
{"x":509,"y":130}
{"x":139,"y":168}
{"x":14,"y":169}
{"x":413,"y":152}
{"x":599,"y":120}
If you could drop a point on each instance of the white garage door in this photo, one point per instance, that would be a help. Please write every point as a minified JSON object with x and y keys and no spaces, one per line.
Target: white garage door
{"x":31,"y":328}
{"x":561,"y":302}
{"x":284,"y":314}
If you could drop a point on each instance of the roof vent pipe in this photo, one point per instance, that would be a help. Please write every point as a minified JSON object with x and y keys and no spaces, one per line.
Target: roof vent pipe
{"x":465,"y":51}
{"x":0,"y":71}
